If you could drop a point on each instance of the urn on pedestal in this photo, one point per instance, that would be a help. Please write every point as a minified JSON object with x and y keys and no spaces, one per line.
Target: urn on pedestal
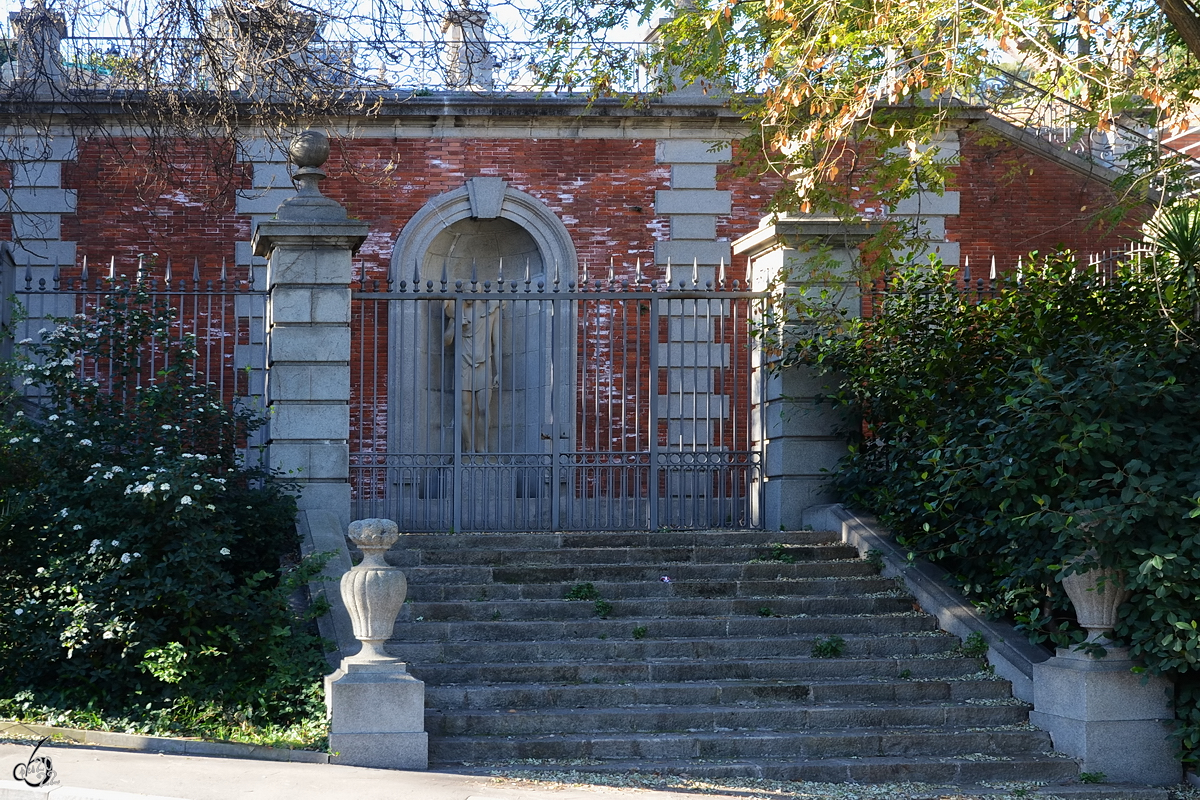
{"x":373,"y":591}
{"x":376,"y":708}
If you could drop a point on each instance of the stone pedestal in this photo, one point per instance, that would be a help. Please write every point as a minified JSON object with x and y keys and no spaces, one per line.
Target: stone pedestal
{"x":377,"y":716}
{"x":1110,"y":719}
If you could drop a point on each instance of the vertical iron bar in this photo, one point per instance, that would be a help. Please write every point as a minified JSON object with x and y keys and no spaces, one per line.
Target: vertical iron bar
{"x":653,"y":405}
{"x":456,"y":393}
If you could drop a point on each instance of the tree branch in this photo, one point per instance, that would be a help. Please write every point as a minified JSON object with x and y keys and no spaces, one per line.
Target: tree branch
{"x":1182,"y":15}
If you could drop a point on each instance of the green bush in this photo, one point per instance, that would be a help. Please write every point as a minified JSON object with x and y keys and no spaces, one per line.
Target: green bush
{"x":144,"y":572}
{"x":1045,"y":429}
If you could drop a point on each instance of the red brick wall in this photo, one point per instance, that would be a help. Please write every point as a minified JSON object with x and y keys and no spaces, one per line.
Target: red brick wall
{"x":602,"y":189}
{"x":127,"y":206}
{"x":1014,"y":202}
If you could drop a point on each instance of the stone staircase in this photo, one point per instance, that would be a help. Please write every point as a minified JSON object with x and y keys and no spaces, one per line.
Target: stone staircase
{"x":766,"y":654}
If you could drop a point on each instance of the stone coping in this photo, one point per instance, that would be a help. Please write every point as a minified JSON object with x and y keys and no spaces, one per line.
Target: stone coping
{"x":163,"y":744}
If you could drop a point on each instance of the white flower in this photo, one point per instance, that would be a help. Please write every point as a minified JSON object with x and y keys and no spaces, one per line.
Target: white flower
{"x":116,"y":543}
{"x":125,"y":559}
{"x":198,"y":487}
{"x":107,"y":635}
{"x":19,"y":611}
{"x":166,"y":427}
{"x":117,"y":469}
{"x":77,"y":528}
{"x":36,"y":439}
{"x":29,"y":367}
{"x":52,"y":417}
{"x":95,"y":546}
{"x":14,"y":440}
{"x":29,"y":381}
{"x":224,"y":551}
{"x":40,"y":570}
{"x":97,"y":465}
{"x":85,"y":442}
{"x":137,"y":555}
{"x":20,"y":413}
{"x":185,"y":500}
{"x":201,"y":457}
{"x":68,"y":362}
{"x":63,"y":512}
{"x":68,"y":422}
{"x":211,"y":507}
{"x":166,"y":487}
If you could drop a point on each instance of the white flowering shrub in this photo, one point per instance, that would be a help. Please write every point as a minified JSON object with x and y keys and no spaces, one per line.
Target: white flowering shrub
{"x":140,"y":563}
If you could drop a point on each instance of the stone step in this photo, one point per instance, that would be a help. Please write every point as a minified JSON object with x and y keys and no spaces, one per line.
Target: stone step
{"x":845,"y":743}
{"x":430,"y":542}
{"x":658,"y":557}
{"x":712,"y":692}
{"x":630,"y":573}
{"x":711,"y":672}
{"x":626,"y":622}
{"x":934,"y":644}
{"x":963,"y":770}
{"x":835,"y":579}
{"x":679,"y":607}
{"x":698,"y":719}
{"x":576,"y":672}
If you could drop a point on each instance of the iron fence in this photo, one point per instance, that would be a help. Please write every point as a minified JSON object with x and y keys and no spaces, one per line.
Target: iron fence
{"x":527,"y":406}
{"x":225,"y":316}
{"x":974,"y":285}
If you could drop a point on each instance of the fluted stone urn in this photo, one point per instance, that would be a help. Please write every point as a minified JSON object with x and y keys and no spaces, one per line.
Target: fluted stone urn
{"x":1096,"y":595}
{"x":373,"y":591}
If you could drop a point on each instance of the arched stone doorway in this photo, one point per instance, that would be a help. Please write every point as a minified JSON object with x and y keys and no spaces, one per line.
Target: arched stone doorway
{"x":475,"y":408}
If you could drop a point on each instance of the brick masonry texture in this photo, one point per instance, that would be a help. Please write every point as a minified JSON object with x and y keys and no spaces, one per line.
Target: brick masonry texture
{"x":125,"y":209}
{"x":602,"y":189}
{"x":1014,"y":202}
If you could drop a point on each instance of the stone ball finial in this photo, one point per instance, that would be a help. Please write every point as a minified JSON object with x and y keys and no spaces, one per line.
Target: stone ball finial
{"x":309,"y":149}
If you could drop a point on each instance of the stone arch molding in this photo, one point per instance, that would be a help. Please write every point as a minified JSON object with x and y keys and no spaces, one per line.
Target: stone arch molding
{"x":484,"y":198}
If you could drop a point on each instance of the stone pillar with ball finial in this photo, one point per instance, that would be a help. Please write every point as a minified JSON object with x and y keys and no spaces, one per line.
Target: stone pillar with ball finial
{"x":308,"y":246}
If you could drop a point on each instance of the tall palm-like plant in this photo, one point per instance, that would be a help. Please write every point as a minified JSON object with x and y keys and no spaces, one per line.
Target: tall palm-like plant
{"x":1175,"y":234}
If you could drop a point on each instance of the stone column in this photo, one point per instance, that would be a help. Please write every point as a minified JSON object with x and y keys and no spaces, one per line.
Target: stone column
{"x":309,"y":244}
{"x":803,"y":438}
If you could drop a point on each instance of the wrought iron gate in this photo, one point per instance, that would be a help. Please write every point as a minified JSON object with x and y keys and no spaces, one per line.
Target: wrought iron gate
{"x":525,"y":407}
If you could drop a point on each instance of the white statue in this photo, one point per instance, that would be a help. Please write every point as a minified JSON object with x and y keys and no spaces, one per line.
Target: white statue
{"x":477,"y":345}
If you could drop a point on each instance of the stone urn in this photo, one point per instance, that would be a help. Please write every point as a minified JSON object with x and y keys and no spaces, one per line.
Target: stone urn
{"x":373,"y":590}
{"x":1096,"y":595}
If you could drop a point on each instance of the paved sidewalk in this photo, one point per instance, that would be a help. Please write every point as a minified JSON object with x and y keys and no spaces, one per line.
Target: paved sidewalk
{"x":208,"y":778}
{"x":100,"y":773}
